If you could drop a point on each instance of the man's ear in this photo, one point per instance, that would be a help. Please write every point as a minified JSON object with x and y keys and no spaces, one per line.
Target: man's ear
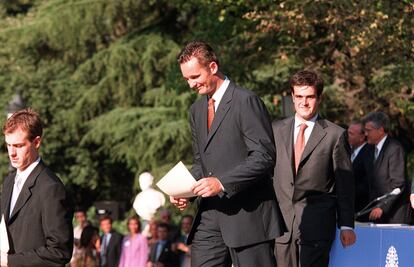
{"x":37,"y":141}
{"x":213,"y":67}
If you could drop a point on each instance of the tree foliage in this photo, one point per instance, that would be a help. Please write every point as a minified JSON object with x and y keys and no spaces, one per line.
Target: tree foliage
{"x":104,"y":77}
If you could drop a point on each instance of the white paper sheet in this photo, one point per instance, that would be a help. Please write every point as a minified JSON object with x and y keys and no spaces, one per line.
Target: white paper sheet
{"x":4,"y":239}
{"x":177,"y":182}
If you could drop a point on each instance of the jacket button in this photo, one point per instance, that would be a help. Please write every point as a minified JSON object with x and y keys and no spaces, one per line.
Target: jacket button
{"x":210,"y":173}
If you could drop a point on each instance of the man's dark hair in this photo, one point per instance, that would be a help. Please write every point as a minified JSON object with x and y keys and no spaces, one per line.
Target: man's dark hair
{"x":80,"y":209}
{"x":379,"y":119}
{"x":189,"y":216}
{"x":164,"y":225}
{"x":200,"y":50}
{"x":104,"y":218}
{"x":27,"y":120}
{"x":308,"y":78}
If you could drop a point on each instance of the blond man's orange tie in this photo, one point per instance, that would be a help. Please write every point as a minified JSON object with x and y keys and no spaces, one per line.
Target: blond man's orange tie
{"x":210,"y":114}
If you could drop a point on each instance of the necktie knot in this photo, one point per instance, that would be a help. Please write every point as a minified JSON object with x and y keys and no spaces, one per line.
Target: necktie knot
{"x":303,"y":127}
{"x":376,"y":153}
{"x":211,"y":111}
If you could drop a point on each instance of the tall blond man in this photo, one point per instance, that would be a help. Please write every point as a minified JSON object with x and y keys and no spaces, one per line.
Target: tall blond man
{"x":238,"y":217}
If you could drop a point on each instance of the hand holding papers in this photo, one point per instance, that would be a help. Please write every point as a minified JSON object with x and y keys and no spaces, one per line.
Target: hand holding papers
{"x":4,"y":242}
{"x":178,"y":182}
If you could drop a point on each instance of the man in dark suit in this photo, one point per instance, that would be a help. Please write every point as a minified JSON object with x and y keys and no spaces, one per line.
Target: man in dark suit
{"x":111,"y":243}
{"x":313,"y":179}
{"x":34,"y":201}
{"x":161,"y":252}
{"x":388,"y":173}
{"x":359,"y":157}
{"x":238,"y":217}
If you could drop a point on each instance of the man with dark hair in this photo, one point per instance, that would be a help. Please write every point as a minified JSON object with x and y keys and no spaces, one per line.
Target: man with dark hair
{"x":34,"y":202}
{"x":313,"y":179}
{"x":388,"y":172}
{"x":162,"y":253}
{"x":111,"y":243}
{"x":238,"y":217}
{"x":81,"y":222}
{"x":360,"y":151}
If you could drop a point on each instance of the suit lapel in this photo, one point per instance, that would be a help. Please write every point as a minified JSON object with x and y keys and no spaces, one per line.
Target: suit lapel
{"x":202,"y":113}
{"x":221,"y":112}
{"x":26,"y":193}
{"x":7,"y":191}
{"x":287,"y":136}
{"x":318,"y":133}
{"x":377,"y":162}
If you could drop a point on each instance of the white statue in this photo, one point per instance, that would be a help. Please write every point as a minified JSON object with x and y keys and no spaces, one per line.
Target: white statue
{"x":148,"y":200}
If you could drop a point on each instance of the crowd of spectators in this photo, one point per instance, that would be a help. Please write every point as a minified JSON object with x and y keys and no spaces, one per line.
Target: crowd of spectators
{"x":162,"y":245}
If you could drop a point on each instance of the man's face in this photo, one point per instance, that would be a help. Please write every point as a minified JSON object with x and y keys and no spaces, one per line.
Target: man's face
{"x":22,"y":152}
{"x":186,"y":225}
{"x":162,"y":233}
{"x":306,"y":101}
{"x":165,"y":217}
{"x":374,"y":136}
{"x":80,"y":217}
{"x":106,"y":226}
{"x":355,"y":136}
{"x":200,"y":78}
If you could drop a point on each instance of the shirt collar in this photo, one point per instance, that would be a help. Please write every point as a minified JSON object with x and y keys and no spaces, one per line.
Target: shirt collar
{"x":309,"y":122}
{"x":381,"y":144}
{"x":24,"y":174}
{"x":356,"y":150}
{"x":218,"y":94}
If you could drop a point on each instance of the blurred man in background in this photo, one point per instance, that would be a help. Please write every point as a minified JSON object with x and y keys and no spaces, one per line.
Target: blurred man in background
{"x":388,"y":172}
{"x":360,"y":152}
{"x":111,"y":243}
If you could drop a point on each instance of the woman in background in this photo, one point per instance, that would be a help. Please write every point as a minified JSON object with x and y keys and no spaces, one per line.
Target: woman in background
{"x":134,"y":246}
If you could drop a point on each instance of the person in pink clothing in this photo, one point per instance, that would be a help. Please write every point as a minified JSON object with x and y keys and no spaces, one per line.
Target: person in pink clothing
{"x":134,"y":246}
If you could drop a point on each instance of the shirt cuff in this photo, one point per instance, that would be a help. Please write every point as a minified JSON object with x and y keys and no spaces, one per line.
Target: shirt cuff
{"x":346,"y":228}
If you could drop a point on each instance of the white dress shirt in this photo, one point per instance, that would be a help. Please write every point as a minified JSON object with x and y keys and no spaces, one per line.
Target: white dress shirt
{"x":22,"y":176}
{"x":356,"y":152}
{"x":218,"y":94}
{"x":310,"y":123}
{"x":379,"y":146}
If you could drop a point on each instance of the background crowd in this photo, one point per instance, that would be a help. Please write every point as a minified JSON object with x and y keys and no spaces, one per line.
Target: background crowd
{"x":160,"y":244}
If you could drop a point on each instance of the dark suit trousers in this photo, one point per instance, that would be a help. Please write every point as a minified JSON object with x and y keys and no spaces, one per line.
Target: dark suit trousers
{"x":302,"y":253}
{"x":208,"y":248}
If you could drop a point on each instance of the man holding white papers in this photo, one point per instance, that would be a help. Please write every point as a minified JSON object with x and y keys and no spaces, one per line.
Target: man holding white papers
{"x":33,"y":201}
{"x":234,"y":155}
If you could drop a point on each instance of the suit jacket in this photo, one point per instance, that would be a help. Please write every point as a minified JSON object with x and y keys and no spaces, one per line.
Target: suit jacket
{"x":167,"y":257}
{"x":239,"y":150}
{"x":322,"y":192}
{"x":113,"y":249}
{"x":387,"y":173}
{"x":40,"y":227}
{"x":361,"y":167}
